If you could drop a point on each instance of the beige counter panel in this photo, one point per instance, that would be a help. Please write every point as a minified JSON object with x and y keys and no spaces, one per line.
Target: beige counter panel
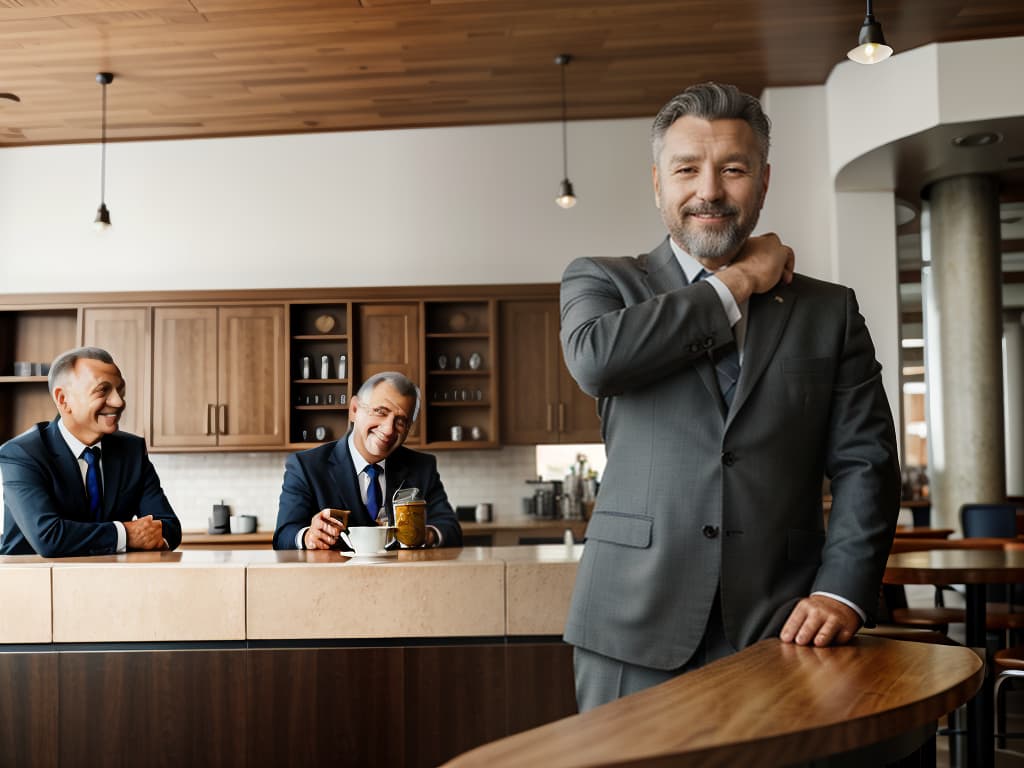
{"x":416,"y":594}
{"x":151,"y":602}
{"x":27,"y":610}
{"x":539,"y":587}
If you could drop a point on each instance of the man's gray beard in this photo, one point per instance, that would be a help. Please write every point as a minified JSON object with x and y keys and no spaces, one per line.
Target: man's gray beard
{"x":712,"y":246}
{"x":721,"y":245}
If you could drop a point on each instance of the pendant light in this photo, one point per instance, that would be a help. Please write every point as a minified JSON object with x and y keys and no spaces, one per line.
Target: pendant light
{"x":871,"y":46}
{"x":566,"y":198}
{"x":102,"y":220}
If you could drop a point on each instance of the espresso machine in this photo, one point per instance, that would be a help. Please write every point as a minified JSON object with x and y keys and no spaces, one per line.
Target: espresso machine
{"x":547,"y":496}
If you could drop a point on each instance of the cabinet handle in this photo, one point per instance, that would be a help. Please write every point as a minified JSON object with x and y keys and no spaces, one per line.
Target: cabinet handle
{"x":561,"y":417}
{"x":209,"y":418}
{"x":550,"y":427}
{"x":222,"y":419}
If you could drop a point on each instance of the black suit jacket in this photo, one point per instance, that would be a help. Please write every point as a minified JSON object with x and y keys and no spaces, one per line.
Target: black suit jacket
{"x":326,"y":477}
{"x":46,"y":509}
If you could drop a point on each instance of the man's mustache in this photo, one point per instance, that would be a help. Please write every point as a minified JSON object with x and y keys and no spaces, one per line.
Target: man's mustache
{"x":711,"y":210}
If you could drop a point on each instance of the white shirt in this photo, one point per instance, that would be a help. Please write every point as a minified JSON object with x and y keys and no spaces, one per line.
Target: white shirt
{"x":77,"y":447}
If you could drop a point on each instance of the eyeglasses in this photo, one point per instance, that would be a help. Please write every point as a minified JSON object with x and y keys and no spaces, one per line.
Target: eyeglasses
{"x":402,"y":423}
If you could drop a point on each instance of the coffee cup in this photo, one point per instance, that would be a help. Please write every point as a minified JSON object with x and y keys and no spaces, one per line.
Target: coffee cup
{"x":368,"y":539}
{"x":411,"y":522}
{"x":483,"y":513}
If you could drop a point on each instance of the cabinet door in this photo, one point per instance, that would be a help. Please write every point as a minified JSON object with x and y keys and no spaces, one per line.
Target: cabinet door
{"x":184,"y":376}
{"x":125,"y":333}
{"x":251,"y":371}
{"x":389,"y":340}
{"x":577,"y":411}
{"x":529,"y":372}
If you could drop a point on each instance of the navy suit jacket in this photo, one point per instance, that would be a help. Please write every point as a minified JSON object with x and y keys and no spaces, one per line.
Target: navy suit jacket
{"x":326,"y":477}
{"x":46,"y":509}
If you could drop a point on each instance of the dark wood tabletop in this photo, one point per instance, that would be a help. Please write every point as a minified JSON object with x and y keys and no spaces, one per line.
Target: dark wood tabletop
{"x":922,"y":532}
{"x":772,"y":704}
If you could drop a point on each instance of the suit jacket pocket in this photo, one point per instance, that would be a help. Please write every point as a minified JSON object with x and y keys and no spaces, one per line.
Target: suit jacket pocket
{"x":805,"y":546}
{"x":619,"y":528}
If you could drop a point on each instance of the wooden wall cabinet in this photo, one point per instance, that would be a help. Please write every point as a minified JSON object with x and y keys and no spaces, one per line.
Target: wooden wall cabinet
{"x":540,"y":403}
{"x":460,"y":389}
{"x":218,"y":377}
{"x":33,"y":336}
{"x":126,"y":333}
{"x":388,"y":339}
{"x":319,"y":398}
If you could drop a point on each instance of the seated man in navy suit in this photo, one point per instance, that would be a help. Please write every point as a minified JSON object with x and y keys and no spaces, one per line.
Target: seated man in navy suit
{"x":76,"y":485}
{"x":338,"y":475}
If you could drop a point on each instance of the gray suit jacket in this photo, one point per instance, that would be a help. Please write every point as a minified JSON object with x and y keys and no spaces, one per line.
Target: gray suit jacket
{"x":694,"y":496}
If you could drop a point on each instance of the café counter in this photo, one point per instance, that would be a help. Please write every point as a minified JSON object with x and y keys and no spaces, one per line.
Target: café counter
{"x":257,"y":657}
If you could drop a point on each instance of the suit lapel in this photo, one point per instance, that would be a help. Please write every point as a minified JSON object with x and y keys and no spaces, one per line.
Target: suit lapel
{"x":69,"y":473}
{"x":663,"y":275}
{"x":767,"y":314}
{"x":343,"y":475}
{"x":113,"y":467}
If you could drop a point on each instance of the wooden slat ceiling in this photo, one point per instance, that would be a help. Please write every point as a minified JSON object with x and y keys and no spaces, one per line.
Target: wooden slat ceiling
{"x":191,"y":68}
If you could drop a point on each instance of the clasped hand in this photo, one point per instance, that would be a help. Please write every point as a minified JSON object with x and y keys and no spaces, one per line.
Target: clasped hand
{"x":145,"y":533}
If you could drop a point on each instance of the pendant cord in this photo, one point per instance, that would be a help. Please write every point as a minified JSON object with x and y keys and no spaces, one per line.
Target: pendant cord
{"x":565,"y":143}
{"x":103,"y":150}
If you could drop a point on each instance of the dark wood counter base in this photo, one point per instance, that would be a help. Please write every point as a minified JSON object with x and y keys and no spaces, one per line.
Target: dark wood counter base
{"x":366,"y":704}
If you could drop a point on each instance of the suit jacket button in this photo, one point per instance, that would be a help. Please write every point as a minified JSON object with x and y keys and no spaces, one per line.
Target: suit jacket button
{"x":695,"y":348}
{"x":728,"y":458}
{"x":709,"y":343}
{"x":710,"y":531}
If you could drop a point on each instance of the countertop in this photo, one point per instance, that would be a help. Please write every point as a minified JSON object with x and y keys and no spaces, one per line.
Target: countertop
{"x":263,"y":594}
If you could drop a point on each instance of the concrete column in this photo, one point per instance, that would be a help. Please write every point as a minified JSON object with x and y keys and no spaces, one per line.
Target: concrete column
{"x":963,"y":345}
{"x":1013,"y":383}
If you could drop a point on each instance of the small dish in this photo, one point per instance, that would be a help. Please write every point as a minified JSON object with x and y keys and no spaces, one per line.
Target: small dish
{"x":324,"y":323}
{"x":371,"y":555}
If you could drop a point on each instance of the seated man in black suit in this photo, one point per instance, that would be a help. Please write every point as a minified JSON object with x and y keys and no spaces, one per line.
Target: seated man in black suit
{"x":338,"y":475}
{"x":75,"y":485}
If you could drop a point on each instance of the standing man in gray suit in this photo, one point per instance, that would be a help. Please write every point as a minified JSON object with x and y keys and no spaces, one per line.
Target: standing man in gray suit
{"x":724,"y":403}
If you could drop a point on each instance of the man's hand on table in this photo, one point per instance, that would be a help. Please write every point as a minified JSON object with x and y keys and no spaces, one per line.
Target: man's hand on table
{"x":819,"y":620}
{"x":144,"y":533}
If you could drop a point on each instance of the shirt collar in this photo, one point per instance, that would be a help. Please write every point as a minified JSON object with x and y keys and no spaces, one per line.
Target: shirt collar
{"x":74,"y":444}
{"x":691,"y":267}
{"x":357,"y":458}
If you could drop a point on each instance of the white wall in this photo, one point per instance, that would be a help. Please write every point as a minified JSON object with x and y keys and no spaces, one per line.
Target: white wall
{"x":434,"y":206}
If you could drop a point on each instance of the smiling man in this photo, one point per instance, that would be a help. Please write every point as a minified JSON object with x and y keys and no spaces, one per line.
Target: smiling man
{"x":361,"y":472}
{"x":728,"y":387}
{"x":77,"y":485}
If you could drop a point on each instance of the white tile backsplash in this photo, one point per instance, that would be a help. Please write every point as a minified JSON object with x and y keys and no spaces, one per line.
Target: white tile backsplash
{"x":250,"y":483}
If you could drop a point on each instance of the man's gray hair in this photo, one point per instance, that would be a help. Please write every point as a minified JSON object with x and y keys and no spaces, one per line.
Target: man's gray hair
{"x":713,"y":101}
{"x":399,"y":381}
{"x":62,"y":366}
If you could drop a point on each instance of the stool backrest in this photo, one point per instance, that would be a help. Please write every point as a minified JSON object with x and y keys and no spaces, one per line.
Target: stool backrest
{"x":989,"y":520}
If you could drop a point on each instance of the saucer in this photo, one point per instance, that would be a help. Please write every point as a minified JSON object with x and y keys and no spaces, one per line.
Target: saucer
{"x":379,"y":553}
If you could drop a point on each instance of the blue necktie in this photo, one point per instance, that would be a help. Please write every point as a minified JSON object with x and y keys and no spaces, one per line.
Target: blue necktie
{"x":726,"y":360}
{"x":373,"y":497}
{"x":93,"y":483}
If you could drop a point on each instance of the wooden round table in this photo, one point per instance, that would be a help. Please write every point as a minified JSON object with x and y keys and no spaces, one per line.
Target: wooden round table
{"x":973,"y":568}
{"x":773,"y":704}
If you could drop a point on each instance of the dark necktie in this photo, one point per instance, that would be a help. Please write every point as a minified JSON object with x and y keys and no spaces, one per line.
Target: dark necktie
{"x":93,"y":482}
{"x":373,"y":498}
{"x":726,"y":360}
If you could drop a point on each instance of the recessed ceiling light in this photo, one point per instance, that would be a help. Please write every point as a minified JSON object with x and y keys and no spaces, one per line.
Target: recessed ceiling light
{"x":982,"y":139}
